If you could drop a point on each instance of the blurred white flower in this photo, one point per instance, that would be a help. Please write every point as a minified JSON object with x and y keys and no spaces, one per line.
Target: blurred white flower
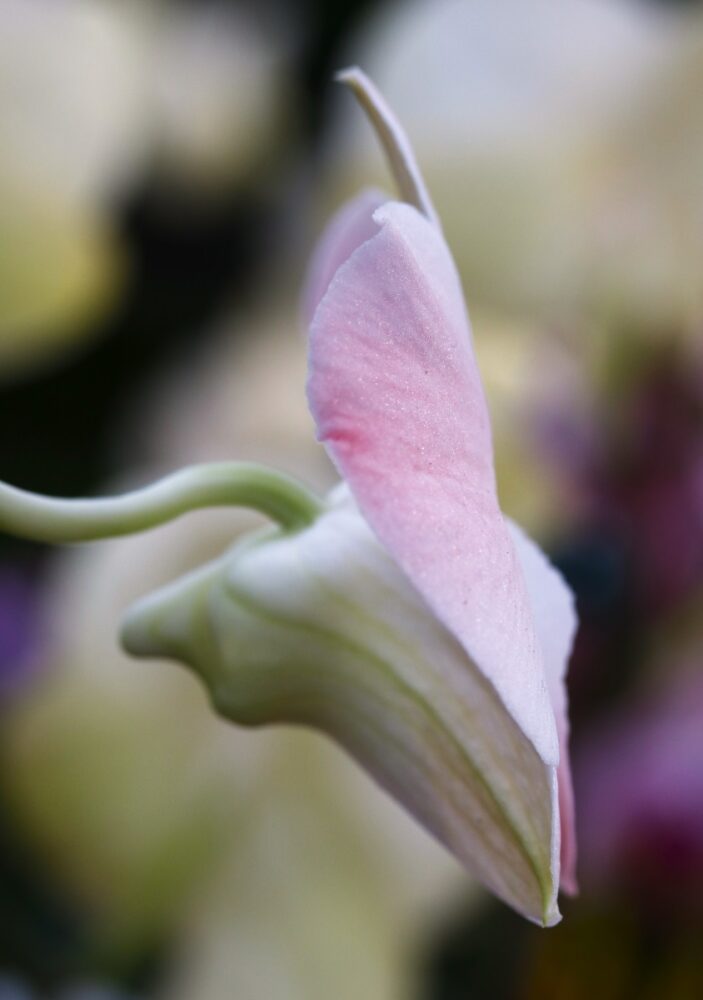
{"x":93,"y":93}
{"x":221,"y":97}
{"x":71,"y":82}
{"x":535,"y":123}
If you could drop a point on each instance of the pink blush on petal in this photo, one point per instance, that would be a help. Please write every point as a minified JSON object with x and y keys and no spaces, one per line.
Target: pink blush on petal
{"x":397,"y":398}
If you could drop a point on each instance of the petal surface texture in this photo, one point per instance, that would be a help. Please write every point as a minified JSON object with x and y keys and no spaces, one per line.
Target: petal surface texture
{"x":397,"y":397}
{"x":322,"y":628}
{"x":351,"y":226}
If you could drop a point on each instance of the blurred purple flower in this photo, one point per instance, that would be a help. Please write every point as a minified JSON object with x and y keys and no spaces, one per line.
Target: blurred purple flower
{"x":652,"y":487}
{"x":19,"y":631}
{"x":640,"y":782}
{"x":632,"y":472}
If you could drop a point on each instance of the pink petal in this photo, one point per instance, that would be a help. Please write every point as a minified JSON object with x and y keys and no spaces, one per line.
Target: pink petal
{"x":351,"y":226}
{"x":567,"y":811}
{"x":555,"y":620}
{"x":398,"y":401}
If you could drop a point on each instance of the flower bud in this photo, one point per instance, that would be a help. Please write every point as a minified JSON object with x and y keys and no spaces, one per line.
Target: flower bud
{"x":321,"y":628}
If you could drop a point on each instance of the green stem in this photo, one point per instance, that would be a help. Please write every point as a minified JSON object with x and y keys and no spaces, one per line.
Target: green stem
{"x":221,"y":484}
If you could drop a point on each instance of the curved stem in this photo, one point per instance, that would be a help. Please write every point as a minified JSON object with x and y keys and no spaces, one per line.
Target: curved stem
{"x":392,"y":137}
{"x":221,"y":484}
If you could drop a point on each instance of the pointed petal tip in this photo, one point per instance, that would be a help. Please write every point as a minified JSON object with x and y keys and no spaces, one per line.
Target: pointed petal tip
{"x":551,"y":918}
{"x":569,"y":885}
{"x":350,"y":76}
{"x":544,"y":912}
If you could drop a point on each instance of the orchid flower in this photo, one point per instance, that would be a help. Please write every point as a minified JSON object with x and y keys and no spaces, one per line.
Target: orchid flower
{"x":403,"y":615}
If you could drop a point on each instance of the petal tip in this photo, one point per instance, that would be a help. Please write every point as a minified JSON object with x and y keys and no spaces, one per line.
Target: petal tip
{"x":551,"y":918}
{"x":351,"y":76}
{"x":569,"y":885}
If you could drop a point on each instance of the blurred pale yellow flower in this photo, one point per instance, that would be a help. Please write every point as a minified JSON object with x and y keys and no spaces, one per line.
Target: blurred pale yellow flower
{"x":60,"y":266}
{"x":69,"y":136}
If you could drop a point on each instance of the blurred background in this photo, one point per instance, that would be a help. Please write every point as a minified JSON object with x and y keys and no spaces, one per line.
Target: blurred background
{"x":165,"y":168}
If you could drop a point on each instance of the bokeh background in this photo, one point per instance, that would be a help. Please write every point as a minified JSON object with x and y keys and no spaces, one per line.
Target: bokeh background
{"x":165,"y":167}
